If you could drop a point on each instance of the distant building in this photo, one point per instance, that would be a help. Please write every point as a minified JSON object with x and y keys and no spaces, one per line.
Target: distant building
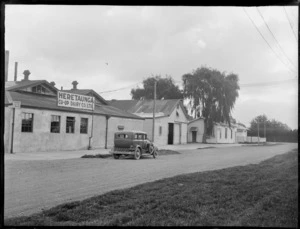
{"x":222,"y":133}
{"x":241,"y":133}
{"x":196,"y":130}
{"x":41,"y":125}
{"x":171,"y":118}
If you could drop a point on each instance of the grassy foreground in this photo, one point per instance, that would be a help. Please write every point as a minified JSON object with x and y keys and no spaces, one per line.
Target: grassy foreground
{"x":264,"y":194}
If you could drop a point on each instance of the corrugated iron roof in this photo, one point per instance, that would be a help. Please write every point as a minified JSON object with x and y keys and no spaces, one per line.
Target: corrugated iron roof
{"x":146,"y":106}
{"x":26,"y":83}
{"x":49,"y":102}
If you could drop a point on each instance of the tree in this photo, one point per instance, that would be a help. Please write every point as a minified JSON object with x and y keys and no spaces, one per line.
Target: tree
{"x":165,"y":89}
{"x":211,"y":95}
{"x":275,"y":131}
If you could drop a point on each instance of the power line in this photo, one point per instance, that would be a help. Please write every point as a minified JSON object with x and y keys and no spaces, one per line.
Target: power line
{"x":265,"y":39}
{"x":286,"y":14}
{"x":274,"y":37}
{"x":119,"y":89}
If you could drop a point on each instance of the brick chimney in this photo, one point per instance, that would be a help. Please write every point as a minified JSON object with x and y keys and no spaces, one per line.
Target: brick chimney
{"x":26,"y":74}
{"x":74,"y":85}
{"x":52,"y":83}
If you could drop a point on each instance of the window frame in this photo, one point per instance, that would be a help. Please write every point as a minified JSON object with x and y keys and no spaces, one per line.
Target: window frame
{"x":160,"y":130}
{"x":23,"y":125}
{"x":86,"y":127}
{"x":59,"y":119}
{"x":73,"y":122}
{"x":225,"y":133}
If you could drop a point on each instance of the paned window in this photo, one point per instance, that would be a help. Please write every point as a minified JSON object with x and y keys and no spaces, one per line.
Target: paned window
{"x":225,"y":133}
{"x":40,"y":89}
{"x":70,"y":125}
{"x":84,"y":126}
{"x":27,"y":122}
{"x":160,"y":130}
{"x":231,"y":132}
{"x":140,"y":136}
{"x":122,"y":135}
{"x":55,"y":124}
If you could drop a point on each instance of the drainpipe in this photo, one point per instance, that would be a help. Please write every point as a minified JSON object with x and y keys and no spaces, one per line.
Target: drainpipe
{"x":12,"y":131}
{"x":90,"y":138}
{"x":106,"y":130}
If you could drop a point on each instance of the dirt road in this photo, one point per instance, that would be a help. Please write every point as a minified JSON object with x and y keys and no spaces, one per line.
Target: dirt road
{"x":31,"y":186}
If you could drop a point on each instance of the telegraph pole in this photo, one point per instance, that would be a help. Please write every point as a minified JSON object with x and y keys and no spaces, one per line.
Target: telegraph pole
{"x":153,"y":124}
{"x":265,"y":130}
{"x":258,"y":131}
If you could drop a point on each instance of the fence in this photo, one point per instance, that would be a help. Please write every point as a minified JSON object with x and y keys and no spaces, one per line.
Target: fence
{"x":255,"y":139}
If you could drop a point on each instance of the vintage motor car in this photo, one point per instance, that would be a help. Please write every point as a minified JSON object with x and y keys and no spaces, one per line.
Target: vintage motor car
{"x":133,"y":143}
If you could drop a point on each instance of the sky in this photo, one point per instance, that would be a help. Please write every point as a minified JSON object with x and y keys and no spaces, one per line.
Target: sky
{"x":106,"y":48}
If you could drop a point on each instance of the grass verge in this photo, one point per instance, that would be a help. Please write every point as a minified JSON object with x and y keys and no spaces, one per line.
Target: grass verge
{"x":264,"y":195}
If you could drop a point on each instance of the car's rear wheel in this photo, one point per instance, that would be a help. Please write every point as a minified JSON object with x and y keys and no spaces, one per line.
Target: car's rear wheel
{"x":116,"y":156}
{"x":137,"y":153}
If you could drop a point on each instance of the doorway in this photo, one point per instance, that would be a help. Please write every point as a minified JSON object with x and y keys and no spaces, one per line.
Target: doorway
{"x":171,"y":133}
{"x":194,"y":136}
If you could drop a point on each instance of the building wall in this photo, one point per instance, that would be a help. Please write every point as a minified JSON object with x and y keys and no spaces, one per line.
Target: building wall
{"x":241,"y":135}
{"x":217,"y":138}
{"x":129,"y":124}
{"x":41,"y":139}
{"x":200,"y":126}
{"x":7,"y":129}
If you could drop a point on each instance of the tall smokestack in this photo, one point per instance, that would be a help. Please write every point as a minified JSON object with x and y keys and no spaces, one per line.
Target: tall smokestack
{"x":6,"y":64}
{"x":16,"y":71}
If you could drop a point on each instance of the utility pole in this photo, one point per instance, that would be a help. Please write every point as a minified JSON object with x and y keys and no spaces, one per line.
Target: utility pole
{"x":265,"y":130}
{"x":258,"y":131}
{"x":153,"y":124}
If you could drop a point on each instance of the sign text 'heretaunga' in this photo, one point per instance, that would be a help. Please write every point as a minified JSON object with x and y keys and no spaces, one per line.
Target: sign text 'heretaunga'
{"x":66,"y":99}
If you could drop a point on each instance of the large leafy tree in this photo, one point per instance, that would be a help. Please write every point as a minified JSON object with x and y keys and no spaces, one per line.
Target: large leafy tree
{"x":211,"y":95}
{"x":165,"y":89}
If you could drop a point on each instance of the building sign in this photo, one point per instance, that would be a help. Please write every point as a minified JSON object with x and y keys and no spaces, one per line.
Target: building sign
{"x":66,"y":99}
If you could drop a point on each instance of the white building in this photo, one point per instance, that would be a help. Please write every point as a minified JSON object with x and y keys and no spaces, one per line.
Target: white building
{"x":39,"y":124}
{"x":222,"y":133}
{"x":196,"y":130}
{"x":241,"y":133}
{"x":171,"y":118}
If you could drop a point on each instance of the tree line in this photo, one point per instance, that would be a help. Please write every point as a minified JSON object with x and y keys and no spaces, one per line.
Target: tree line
{"x":275,"y":131}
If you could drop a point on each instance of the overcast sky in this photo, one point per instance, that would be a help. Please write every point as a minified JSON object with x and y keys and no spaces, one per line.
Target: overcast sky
{"x":110,"y":47}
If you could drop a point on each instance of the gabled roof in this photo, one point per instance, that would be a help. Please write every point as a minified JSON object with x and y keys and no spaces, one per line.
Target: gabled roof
{"x":142,"y":107}
{"x":49,"y":102}
{"x":196,"y":119}
{"x":28,"y":83}
{"x":87,"y":92}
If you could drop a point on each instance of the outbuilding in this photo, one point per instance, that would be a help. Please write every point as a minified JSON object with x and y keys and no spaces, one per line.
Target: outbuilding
{"x":171,"y":118}
{"x":35,"y":121}
{"x":222,"y":133}
{"x":196,"y":130}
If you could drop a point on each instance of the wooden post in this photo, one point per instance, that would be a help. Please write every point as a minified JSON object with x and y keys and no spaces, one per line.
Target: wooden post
{"x":153,"y":124}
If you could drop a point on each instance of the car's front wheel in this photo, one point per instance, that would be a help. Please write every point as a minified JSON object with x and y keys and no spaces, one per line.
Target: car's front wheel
{"x":137,"y":153}
{"x":116,"y":156}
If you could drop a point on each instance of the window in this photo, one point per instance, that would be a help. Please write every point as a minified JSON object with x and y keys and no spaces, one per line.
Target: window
{"x":139,"y":136}
{"x":84,"y":125}
{"x":122,"y":135}
{"x":225,"y":133}
{"x":231,"y":132}
{"x":160,"y":130}
{"x":220,"y":130}
{"x":177,"y":114}
{"x":27,"y":122}
{"x":55,"y":124}
{"x":40,"y":89}
{"x":70,"y":124}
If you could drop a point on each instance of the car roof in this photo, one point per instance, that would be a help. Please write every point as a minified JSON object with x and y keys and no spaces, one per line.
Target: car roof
{"x":129,"y":132}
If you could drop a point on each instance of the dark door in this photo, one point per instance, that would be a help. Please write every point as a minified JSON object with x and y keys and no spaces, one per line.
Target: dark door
{"x":170,"y":135}
{"x":194,"y":136}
